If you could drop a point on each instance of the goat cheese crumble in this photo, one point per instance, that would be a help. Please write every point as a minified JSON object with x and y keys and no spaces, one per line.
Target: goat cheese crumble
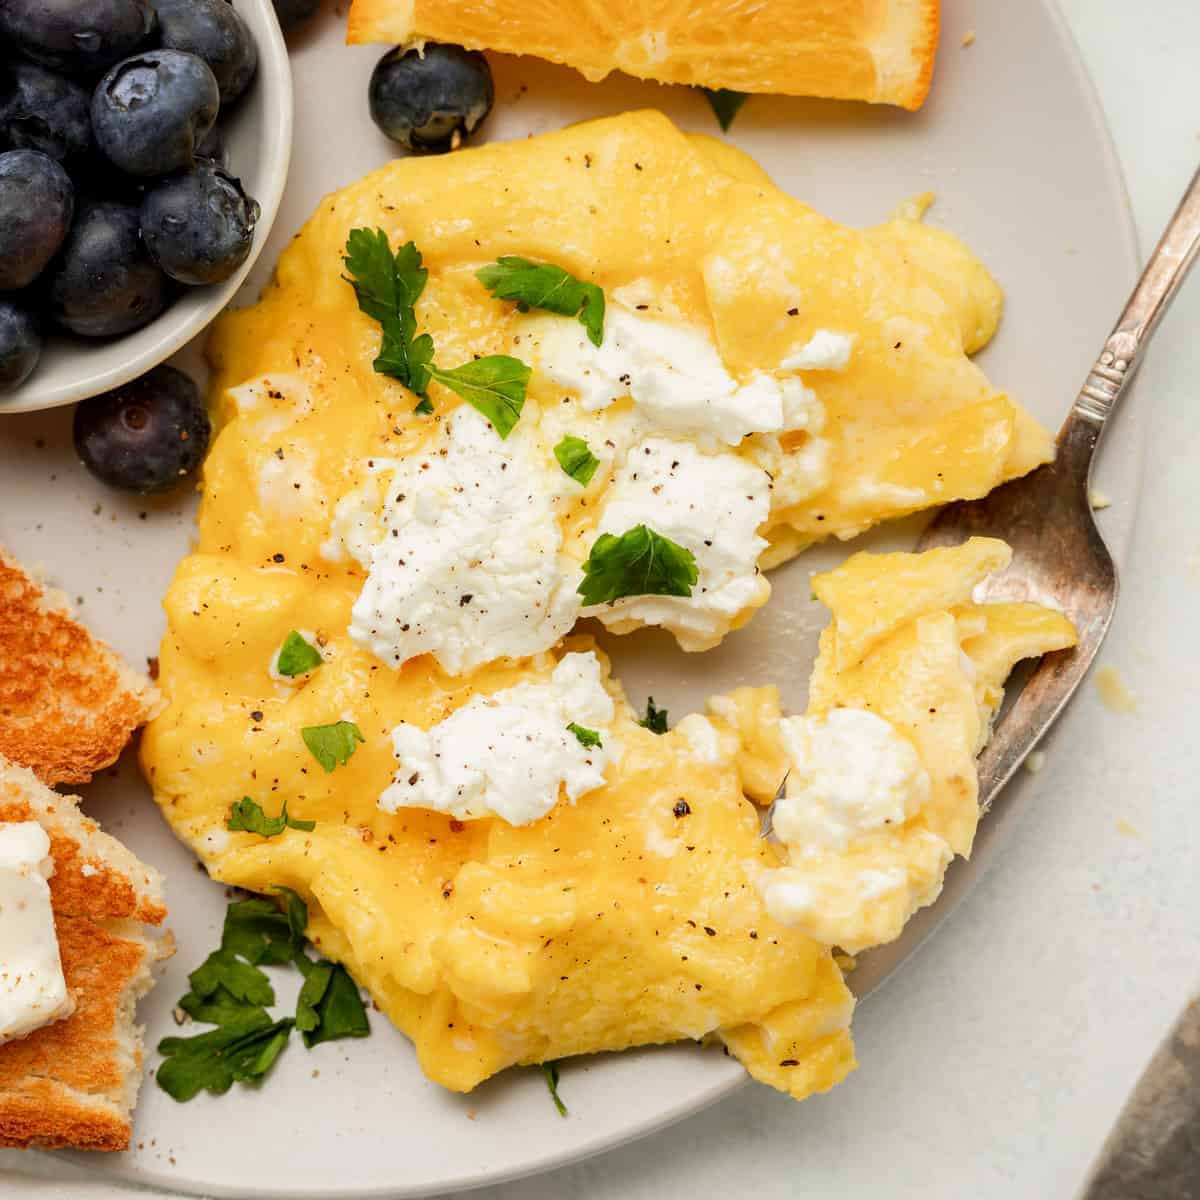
{"x":510,"y":754}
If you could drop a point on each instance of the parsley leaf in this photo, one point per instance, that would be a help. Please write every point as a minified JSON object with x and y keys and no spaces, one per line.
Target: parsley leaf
{"x":330,"y":1006}
{"x":219,"y":1008}
{"x":587,"y":737}
{"x":247,"y":815}
{"x":241,"y":1050}
{"x":260,"y":932}
{"x":316,"y":982}
{"x":638,"y":563}
{"x":388,"y":286}
{"x":225,"y":976}
{"x":230,"y":991}
{"x":576,"y":459}
{"x":550,"y":288}
{"x":725,"y":104}
{"x":550,"y":1071}
{"x":332,"y":744}
{"x":655,"y":719}
{"x":495,"y":385}
{"x":297,"y":657}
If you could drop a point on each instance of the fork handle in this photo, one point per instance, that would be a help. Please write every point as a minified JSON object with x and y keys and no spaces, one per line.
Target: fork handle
{"x":1105,"y":384}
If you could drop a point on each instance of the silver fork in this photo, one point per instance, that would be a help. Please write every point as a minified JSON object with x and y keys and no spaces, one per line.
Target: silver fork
{"x":1059,"y":557}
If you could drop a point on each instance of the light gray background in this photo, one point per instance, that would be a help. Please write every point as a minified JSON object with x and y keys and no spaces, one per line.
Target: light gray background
{"x":996,"y":1066}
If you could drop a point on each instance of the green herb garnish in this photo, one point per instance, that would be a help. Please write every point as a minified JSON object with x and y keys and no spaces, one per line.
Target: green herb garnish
{"x":550,"y":288}
{"x":231,"y":991}
{"x":550,"y":1071}
{"x":332,"y":744}
{"x":329,"y":1006}
{"x":587,"y":737}
{"x":655,"y":719}
{"x":297,"y":656}
{"x":576,"y":459}
{"x":494,"y":385}
{"x":638,"y":563}
{"x":240,"y":1050}
{"x":247,"y":815}
{"x":388,"y":286}
{"x":725,"y":103}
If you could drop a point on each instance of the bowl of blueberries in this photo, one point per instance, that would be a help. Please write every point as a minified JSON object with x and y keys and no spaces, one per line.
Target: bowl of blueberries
{"x":144,"y":146}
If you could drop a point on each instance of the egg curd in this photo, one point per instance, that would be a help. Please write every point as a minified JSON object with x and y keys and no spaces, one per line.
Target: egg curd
{"x":514,"y":866}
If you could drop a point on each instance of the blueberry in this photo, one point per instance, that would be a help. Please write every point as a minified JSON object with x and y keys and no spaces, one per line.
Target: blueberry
{"x":104,"y":282}
{"x":430,"y":100}
{"x":214,"y":31}
{"x":43,"y":111}
{"x":212,"y":146}
{"x":146,"y":435}
{"x":150,"y":111}
{"x":81,"y":37}
{"x":20,"y":345}
{"x":199,"y":226}
{"x":36,"y":203}
{"x":292,"y":13}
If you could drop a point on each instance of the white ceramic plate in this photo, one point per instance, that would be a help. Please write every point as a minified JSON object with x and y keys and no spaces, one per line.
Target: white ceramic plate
{"x":1015,"y":146}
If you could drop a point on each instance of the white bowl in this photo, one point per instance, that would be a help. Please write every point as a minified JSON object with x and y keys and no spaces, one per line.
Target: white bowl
{"x":258,"y":141}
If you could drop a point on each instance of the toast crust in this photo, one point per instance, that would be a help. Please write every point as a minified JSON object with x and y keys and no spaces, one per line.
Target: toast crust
{"x":68,"y":704}
{"x":73,"y":1082}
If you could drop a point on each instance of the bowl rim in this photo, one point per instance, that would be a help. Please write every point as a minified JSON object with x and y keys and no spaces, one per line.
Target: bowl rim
{"x":274,"y":77}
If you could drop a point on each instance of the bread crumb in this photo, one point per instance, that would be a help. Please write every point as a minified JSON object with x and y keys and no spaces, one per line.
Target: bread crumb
{"x":1126,"y":829}
{"x":1035,"y":762}
{"x":968,"y":38}
{"x":1113,"y":691}
{"x":1098,"y":500}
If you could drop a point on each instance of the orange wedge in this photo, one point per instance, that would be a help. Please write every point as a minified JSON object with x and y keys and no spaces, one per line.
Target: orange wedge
{"x":876,"y":50}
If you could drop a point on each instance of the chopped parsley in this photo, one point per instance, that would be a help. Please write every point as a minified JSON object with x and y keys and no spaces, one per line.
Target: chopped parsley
{"x":576,"y":459}
{"x":725,"y":104}
{"x":550,"y":1071}
{"x":332,"y":744}
{"x":655,"y":719}
{"x":388,"y":286}
{"x":247,"y":815}
{"x":297,"y":656}
{"x":550,"y":288}
{"x":494,"y":385}
{"x":231,"y":991}
{"x":638,"y":563}
{"x":587,"y":737}
{"x":240,"y":1050}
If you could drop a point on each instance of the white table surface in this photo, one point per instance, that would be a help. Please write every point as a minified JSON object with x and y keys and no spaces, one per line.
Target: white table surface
{"x":996,"y":1065}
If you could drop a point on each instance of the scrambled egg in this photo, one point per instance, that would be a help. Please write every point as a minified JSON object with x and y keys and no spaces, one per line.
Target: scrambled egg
{"x":642,"y":912}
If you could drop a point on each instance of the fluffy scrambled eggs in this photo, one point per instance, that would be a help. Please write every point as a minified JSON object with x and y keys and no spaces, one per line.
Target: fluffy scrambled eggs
{"x":649,"y":909}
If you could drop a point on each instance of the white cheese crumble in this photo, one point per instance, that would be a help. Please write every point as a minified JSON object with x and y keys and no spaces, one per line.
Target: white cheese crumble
{"x":674,"y":375}
{"x":848,"y":880}
{"x":33,"y":991}
{"x":466,"y":565}
{"x":712,"y":505}
{"x":824,"y":351}
{"x":509,"y":754}
{"x":851,"y":774}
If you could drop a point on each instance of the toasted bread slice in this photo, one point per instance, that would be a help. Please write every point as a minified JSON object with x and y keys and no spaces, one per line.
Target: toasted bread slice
{"x":74,"y":1082}
{"x":68,"y":704}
